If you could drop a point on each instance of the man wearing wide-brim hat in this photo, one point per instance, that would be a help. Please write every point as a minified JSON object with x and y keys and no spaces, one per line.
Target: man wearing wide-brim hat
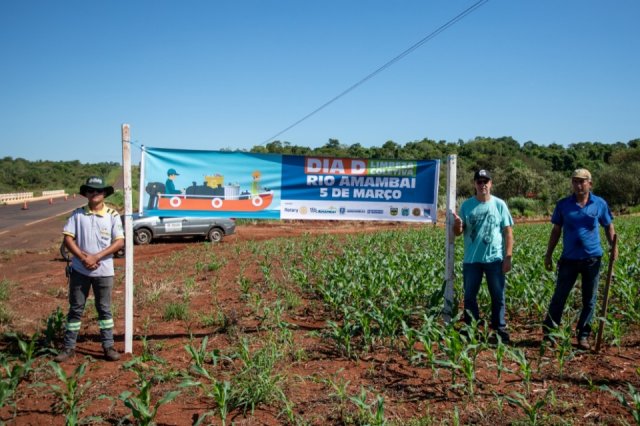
{"x":576,"y":219}
{"x":96,"y":182}
{"x":93,"y":233}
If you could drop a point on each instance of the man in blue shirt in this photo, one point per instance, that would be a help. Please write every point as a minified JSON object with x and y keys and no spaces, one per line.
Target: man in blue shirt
{"x":486,"y":223}
{"x":576,"y":218}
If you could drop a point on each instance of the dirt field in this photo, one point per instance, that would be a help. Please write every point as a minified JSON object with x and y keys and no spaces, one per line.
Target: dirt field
{"x":39,"y":287}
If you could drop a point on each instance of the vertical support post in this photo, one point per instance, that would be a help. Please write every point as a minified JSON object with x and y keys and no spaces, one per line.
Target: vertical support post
{"x":128,"y":232}
{"x":449,"y":238}
{"x":605,"y":300}
{"x":141,"y":191}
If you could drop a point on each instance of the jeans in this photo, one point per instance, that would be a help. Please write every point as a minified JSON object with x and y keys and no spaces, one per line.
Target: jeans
{"x":568,"y":271}
{"x":472,"y":277}
{"x":79,"y":286}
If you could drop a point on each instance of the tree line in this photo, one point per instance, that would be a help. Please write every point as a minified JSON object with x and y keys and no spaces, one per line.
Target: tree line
{"x":530,"y":177}
{"x":20,"y":175}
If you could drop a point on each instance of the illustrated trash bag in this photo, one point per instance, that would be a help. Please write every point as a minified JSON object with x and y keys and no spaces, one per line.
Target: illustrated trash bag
{"x":153,"y":189}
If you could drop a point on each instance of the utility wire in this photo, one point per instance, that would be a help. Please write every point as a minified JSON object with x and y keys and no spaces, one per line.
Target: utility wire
{"x":442,"y":28}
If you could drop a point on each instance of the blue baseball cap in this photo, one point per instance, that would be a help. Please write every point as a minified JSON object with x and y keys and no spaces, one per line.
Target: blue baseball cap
{"x":172,"y":172}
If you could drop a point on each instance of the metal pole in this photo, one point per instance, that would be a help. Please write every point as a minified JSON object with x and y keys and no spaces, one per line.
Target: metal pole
{"x":141,"y":192}
{"x":449,"y":238}
{"x":605,"y":300}
{"x":128,"y":232}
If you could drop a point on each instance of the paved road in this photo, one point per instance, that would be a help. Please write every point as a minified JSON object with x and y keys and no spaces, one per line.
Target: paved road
{"x":13,"y":216}
{"x":40,"y":226}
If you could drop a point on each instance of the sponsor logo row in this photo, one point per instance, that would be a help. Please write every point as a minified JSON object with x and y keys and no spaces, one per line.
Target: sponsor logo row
{"x":391,"y":211}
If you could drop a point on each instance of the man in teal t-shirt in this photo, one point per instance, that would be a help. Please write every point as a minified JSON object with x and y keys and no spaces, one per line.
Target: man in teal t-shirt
{"x":487,"y":225}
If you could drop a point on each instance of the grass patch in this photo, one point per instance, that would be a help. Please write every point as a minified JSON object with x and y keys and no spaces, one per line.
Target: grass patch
{"x":176,"y":311}
{"x":5,"y":315}
{"x":4,"y":289}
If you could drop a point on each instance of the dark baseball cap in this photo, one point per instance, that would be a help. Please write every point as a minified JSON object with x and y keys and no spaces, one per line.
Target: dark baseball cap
{"x":482,"y":174}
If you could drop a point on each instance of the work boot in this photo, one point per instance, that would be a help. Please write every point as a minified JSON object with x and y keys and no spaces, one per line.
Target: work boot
{"x":64,"y":355}
{"x":583,"y":343}
{"x":504,"y":336}
{"x":110,"y":354}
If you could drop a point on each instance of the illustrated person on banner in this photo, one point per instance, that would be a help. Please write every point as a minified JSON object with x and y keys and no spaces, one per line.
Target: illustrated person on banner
{"x":255,"y":183}
{"x":169,"y":186}
{"x":576,"y":218}
{"x":487,"y":224}
{"x":92,"y":234}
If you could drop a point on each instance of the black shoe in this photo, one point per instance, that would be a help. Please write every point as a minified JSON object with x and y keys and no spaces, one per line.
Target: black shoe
{"x":504,"y":336}
{"x":65,"y":354}
{"x":110,"y":354}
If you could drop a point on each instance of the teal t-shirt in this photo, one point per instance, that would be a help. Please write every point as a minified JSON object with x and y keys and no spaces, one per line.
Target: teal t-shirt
{"x":483,"y":225}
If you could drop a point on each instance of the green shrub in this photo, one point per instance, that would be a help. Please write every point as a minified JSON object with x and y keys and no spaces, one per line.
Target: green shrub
{"x":521,"y":206}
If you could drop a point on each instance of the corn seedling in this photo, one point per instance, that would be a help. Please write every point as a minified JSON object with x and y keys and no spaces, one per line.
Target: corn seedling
{"x":453,"y":347}
{"x":630,"y":400}
{"x":146,"y":356}
{"x":368,"y":414}
{"x":340,"y":389}
{"x":219,"y":391}
{"x":428,"y":334}
{"x":524,"y":366}
{"x":245,"y":286}
{"x":499,"y":353}
{"x":198,"y":355}
{"x":142,"y":409}
{"x":563,"y":349}
{"x":532,"y":411}
{"x":411,"y":338}
{"x":28,"y":349}
{"x":54,"y":330}
{"x":455,"y":421}
{"x":214,"y":265}
{"x":69,"y":395}
{"x":13,"y":373}
{"x":616,"y":329}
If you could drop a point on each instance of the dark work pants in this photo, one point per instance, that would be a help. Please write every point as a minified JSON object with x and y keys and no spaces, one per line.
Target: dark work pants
{"x":568,"y":271}
{"x":79,"y":286}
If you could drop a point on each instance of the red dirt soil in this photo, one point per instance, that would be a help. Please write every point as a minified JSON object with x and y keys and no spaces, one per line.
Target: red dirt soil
{"x":38,"y":287}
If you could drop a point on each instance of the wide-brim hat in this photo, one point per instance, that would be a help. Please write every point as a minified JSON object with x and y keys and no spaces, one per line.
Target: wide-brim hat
{"x":96,"y":182}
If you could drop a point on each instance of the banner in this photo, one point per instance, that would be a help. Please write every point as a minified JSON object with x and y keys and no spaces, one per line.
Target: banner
{"x":271,"y":186}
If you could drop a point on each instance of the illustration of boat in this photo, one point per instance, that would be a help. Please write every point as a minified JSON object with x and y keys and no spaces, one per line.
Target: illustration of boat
{"x":211,"y":195}
{"x":240,"y":203}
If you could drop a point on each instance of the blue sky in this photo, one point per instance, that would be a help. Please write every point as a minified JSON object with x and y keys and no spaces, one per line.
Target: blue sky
{"x":231,"y":74}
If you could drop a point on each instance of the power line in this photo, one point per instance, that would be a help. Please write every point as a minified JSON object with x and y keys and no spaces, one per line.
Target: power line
{"x":415,"y":46}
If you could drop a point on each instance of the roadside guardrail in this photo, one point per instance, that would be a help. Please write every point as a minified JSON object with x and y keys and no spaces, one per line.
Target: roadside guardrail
{"x":20,"y":197}
{"x":15,"y":196}
{"x":54,"y":193}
